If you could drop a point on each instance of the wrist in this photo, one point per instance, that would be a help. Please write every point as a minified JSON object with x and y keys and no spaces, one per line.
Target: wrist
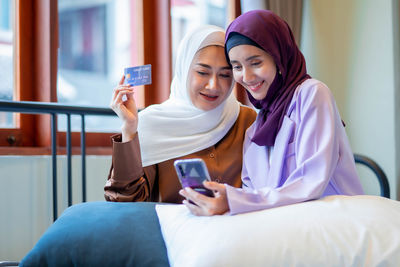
{"x":128,"y":133}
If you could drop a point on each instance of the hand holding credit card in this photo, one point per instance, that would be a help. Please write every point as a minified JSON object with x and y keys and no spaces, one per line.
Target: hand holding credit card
{"x":139,"y":75}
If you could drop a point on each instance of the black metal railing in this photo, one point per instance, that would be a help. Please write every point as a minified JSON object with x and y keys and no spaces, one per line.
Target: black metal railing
{"x":54,"y":109}
{"x":377,"y":170}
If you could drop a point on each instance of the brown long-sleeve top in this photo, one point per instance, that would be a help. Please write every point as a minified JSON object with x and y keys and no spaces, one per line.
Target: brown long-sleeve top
{"x":129,"y":181}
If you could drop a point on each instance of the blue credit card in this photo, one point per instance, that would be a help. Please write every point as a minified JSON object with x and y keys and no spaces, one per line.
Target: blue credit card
{"x":140,"y":75}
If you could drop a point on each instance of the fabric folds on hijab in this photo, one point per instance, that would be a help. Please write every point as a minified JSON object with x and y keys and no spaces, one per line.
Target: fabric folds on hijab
{"x":273,"y":35}
{"x":176,"y":127}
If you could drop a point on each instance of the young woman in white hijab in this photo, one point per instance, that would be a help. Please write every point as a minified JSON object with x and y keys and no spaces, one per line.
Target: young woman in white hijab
{"x":201,"y":119}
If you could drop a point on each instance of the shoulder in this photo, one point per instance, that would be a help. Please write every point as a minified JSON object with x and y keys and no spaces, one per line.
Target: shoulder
{"x":247,"y":111}
{"x":236,"y":134}
{"x":247,"y":115}
{"x":313,"y":92}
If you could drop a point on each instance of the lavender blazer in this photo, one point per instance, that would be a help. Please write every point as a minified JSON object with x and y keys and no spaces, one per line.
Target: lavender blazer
{"x":311,"y":157}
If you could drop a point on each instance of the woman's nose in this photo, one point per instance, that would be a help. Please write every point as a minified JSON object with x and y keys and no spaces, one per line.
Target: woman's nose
{"x":212,"y":82}
{"x":248,"y":75}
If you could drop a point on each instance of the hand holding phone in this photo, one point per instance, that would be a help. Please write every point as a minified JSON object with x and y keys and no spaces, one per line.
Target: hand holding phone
{"x":192,"y":173}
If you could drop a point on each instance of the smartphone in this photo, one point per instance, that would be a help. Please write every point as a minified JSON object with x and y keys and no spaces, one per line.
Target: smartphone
{"x":192,"y":173}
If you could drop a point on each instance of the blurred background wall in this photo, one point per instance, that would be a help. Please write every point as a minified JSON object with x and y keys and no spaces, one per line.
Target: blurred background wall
{"x":352,"y":46}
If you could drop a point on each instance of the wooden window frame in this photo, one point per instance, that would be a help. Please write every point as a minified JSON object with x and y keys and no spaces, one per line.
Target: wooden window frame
{"x":36,"y":45}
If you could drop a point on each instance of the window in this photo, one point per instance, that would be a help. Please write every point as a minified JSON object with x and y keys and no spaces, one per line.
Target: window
{"x":188,"y":14}
{"x":78,"y":50}
{"x":6,"y":59}
{"x":96,"y":43}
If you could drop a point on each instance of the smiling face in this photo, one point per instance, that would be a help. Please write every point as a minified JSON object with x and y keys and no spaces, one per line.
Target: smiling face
{"x":210,"y":78}
{"x":253,"y":68}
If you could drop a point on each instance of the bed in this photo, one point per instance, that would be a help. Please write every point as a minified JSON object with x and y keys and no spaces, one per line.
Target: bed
{"x":333,"y":231}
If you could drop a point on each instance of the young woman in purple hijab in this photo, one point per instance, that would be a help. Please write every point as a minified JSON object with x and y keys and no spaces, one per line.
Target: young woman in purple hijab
{"x":297,"y":149}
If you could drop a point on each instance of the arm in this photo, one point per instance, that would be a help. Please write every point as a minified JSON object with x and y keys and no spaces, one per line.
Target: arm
{"x":316,"y":154}
{"x":127,"y":180}
{"x":125,"y":109}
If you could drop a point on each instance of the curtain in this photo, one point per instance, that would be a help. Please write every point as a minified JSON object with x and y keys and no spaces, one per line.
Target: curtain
{"x":291,"y":11}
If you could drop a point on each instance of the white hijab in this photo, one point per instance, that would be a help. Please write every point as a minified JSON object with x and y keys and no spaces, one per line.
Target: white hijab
{"x":176,"y":127}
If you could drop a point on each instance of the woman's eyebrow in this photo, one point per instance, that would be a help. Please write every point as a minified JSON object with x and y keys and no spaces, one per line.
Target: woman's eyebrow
{"x":247,"y":59}
{"x":209,"y":67}
{"x":252,"y":57}
{"x":204,"y":65}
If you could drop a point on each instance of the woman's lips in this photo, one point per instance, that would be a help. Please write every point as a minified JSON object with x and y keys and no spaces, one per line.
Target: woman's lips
{"x":209,"y":97}
{"x":255,"y":87}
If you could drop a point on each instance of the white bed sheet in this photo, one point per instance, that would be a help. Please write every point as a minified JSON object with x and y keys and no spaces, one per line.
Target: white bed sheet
{"x":333,"y":231}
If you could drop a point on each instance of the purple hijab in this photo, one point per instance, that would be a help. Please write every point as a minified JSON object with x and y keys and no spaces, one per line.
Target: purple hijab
{"x":273,"y":35}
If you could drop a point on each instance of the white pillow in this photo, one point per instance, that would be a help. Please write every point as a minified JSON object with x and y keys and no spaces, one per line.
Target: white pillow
{"x":333,"y":231}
